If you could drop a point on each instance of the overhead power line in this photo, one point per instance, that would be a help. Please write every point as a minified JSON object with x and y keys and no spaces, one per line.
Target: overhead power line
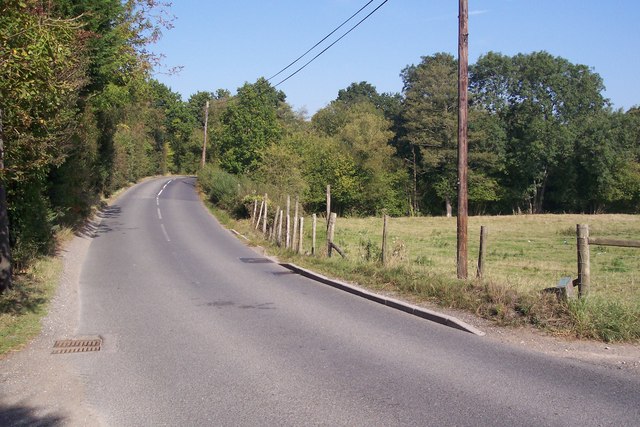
{"x":328,"y":47}
{"x":316,"y":45}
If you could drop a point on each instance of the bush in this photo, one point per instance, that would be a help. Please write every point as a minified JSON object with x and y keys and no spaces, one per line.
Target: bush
{"x":221,"y":188}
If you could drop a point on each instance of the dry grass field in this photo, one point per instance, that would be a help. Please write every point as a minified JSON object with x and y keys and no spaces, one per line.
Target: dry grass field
{"x":526,"y":252}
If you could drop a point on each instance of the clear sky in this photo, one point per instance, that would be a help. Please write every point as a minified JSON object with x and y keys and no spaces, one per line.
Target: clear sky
{"x":225,"y":43}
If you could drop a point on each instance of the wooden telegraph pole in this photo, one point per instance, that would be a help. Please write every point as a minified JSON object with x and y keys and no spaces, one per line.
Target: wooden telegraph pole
{"x":204,"y":142}
{"x":463,"y":83}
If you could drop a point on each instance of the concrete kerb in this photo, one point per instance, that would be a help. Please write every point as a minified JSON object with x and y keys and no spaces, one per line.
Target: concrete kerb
{"x":424,"y":313}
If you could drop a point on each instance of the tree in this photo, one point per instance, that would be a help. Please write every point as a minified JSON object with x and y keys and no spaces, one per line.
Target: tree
{"x":70,"y":73}
{"x":325,"y":162}
{"x":5,"y":246}
{"x":283,"y":171}
{"x":117,"y":35}
{"x":178,"y":124}
{"x":249,"y":126}
{"x":41,"y":71}
{"x":605,"y":163}
{"x":196,"y":104}
{"x":363,"y":134}
{"x":487,"y":144}
{"x":543,"y":101}
{"x":366,"y":135}
{"x":430,"y":122}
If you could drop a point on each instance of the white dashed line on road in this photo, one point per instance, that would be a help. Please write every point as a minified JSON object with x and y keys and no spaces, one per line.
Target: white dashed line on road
{"x":164,"y":231}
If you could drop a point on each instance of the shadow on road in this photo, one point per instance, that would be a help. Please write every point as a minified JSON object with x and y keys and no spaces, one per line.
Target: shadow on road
{"x":93,"y":228}
{"x":26,"y":416}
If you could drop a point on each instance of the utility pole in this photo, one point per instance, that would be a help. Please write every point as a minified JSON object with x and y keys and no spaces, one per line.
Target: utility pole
{"x":463,"y":84}
{"x":204,"y":143}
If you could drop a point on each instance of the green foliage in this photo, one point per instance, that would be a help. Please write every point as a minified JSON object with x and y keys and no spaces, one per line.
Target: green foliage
{"x":431,"y":101}
{"x":77,"y":111}
{"x":221,"y":188}
{"x":327,"y":163}
{"x":605,"y":163}
{"x":430,"y":118}
{"x":40,"y":73}
{"x":282,"y":168}
{"x":31,"y":221}
{"x":249,"y":126}
{"x":543,"y":102}
{"x":366,"y":136}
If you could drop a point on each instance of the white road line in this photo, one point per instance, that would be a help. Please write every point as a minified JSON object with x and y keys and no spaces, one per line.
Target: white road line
{"x":164,"y":231}
{"x":159,"y":214}
{"x":160,"y":192}
{"x":163,"y":187}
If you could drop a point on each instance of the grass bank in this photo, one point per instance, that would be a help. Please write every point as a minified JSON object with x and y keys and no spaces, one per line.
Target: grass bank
{"x":23,"y":306}
{"x":525,"y":255}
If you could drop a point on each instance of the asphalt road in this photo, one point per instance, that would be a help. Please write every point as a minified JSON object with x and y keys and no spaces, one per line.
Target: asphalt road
{"x":200,"y":330}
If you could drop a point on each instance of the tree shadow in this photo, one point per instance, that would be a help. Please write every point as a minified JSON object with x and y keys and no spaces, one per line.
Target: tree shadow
{"x":22,"y":298}
{"x":22,"y":415}
{"x":94,"y":227}
{"x":190,"y":182}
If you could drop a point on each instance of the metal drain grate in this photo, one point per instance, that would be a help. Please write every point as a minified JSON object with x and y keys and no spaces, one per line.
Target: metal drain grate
{"x":77,"y":346}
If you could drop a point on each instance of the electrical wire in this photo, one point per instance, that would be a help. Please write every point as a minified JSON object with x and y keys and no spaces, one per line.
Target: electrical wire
{"x":316,"y":45}
{"x":328,"y":47}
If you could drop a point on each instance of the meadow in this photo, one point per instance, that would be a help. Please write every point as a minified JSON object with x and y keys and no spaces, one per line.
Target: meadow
{"x":525,"y":254}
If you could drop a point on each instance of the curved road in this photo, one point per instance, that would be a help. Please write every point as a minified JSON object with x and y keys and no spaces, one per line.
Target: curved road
{"x":199,"y":330}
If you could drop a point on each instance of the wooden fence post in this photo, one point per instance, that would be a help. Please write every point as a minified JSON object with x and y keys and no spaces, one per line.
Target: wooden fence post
{"x":259,"y":215}
{"x":272,"y":234}
{"x":328,"y":204}
{"x":313,"y":233}
{"x":287,"y":243}
{"x":584,"y":266}
{"x":482,"y":251}
{"x":300,"y":235}
{"x":330,"y":233}
{"x":279,"y":239}
{"x":255,"y":211}
{"x":264,"y":223}
{"x":294,"y":238}
{"x":385,"y":219}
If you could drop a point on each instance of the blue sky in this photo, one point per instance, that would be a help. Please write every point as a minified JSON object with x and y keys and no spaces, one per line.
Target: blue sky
{"x":223,"y":44}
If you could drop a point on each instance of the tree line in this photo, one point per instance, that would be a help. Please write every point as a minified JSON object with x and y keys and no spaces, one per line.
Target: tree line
{"x":81,"y":116}
{"x":77,"y":119}
{"x":542,"y":138}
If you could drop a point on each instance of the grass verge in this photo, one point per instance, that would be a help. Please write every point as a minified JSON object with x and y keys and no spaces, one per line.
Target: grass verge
{"x":23,"y":306}
{"x":511,"y":296}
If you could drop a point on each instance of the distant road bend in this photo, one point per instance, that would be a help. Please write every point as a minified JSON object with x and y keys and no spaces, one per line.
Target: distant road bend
{"x":200,"y":330}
